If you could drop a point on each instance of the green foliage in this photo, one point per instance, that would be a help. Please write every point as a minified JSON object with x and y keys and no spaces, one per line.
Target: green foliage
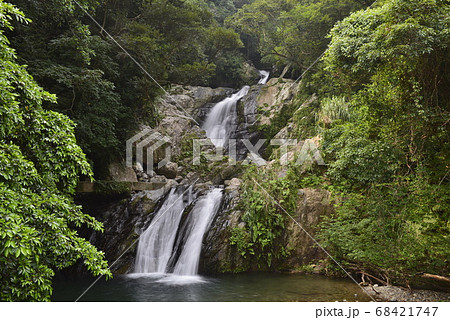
{"x":407,"y":219}
{"x":265,"y":221}
{"x":389,"y":159}
{"x":40,"y":163}
{"x":400,"y":81}
{"x":197,"y":74}
{"x":305,"y":120}
{"x":242,"y":240}
{"x":99,"y":87}
{"x":66,"y":58}
{"x":357,"y":159}
{"x":225,"y":8}
{"x":265,"y":191}
{"x":291,"y":32}
{"x":332,"y":109}
{"x":229,"y":71}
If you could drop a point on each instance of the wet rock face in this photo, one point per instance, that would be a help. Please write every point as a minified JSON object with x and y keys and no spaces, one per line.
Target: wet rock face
{"x":247,"y":111}
{"x":218,"y":255}
{"x":312,"y":206}
{"x":124,"y":220}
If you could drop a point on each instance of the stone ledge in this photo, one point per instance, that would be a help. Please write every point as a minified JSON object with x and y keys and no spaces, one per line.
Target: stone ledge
{"x":116,"y":186}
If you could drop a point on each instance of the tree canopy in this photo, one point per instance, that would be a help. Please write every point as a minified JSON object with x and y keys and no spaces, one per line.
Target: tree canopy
{"x":291,"y":32}
{"x":98,"y":85}
{"x":40,"y":163}
{"x":391,"y":65}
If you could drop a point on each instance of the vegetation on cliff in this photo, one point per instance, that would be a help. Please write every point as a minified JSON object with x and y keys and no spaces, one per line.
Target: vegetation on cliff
{"x":382,"y":117}
{"x":391,"y":155}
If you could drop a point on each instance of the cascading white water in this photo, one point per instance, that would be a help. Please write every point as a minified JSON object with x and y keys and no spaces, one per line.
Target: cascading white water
{"x":264,"y":76}
{"x":199,"y":221}
{"x":219,"y":122}
{"x":156,"y":248}
{"x":156,"y":243}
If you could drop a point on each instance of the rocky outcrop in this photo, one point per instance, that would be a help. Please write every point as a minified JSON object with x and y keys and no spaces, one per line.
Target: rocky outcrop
{"x":185,"y":108}
{"x":312,"y":206}
{"x":124,"y":220}
{"x":259,"y":107}
{"x":249,"y":74}
{"x":121,"y":173}
{"x":273,"y":96}
{"x":219,"y":255}
{"x":170,"y":170}
{"x":181,"y":112}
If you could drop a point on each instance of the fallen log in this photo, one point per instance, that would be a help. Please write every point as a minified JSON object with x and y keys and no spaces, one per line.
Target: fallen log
{"x":435,"y":277}
{"x":431,"y":282}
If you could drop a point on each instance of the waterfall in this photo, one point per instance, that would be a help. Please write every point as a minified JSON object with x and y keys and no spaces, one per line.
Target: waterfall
{"x":199,"y":222}
{"x":220,"y":122}
{"x":173,"y":242}
{"x":157,"y":244}
{"x":264,"y":76}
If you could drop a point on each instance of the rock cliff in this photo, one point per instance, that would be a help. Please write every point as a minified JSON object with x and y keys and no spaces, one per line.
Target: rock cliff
{"x":181,"y":113}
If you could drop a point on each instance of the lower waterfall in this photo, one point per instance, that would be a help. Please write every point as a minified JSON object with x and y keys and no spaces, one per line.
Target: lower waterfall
{"x":156,"y":243}
{"x":158,"y":246}
{"x":198,"y":223}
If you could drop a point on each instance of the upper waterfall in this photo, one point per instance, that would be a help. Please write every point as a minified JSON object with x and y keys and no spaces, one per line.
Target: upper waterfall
{"x":264,"y":76}
{"x":220,"y":122}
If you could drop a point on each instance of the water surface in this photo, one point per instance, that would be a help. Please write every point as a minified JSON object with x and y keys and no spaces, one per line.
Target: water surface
{"x":238,"y":287}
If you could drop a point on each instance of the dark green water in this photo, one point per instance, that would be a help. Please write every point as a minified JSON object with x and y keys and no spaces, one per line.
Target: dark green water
{"x":239,"y":287}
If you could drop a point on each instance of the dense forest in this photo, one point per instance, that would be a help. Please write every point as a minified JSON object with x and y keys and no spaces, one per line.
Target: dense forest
{"x":70,"y":97}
